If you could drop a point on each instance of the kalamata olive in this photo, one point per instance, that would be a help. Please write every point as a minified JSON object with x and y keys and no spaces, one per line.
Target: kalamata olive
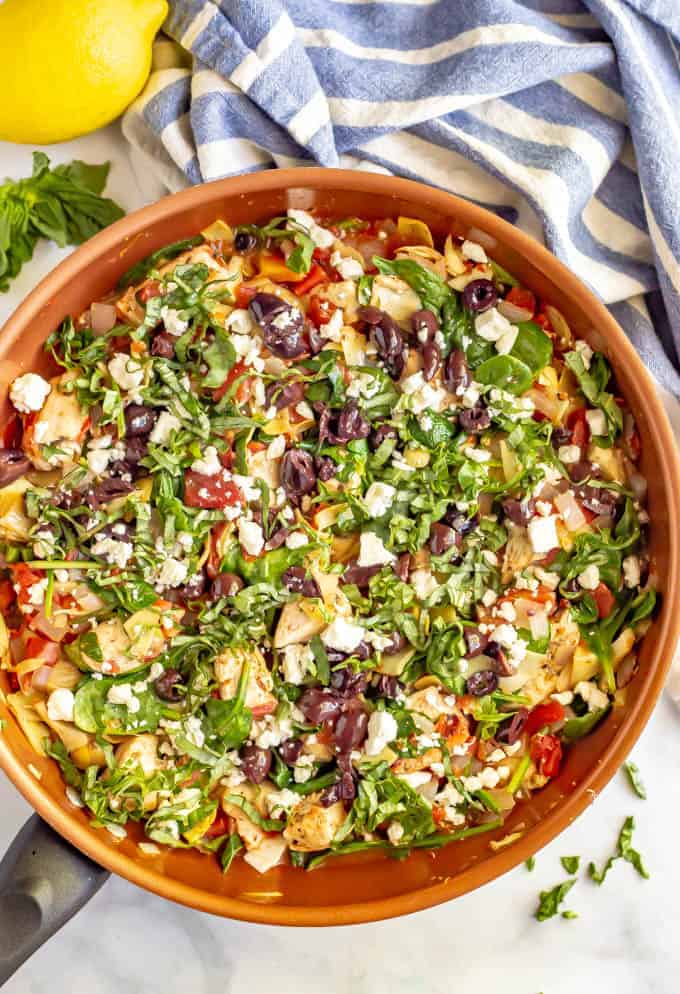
{"x":282,"y":325}
{"x":226,"y":585}
{"x":344,"y":789}
{"x":326,"y":468}
{"x":442,"y":538}
{"x":457,"y":376}
{"x":432,"y":358}
{"x":296,"y":580}
{"x":459,"y":521}
{"x":298,"y":475}
{"x":511,"y":729}
{"x":379,"y":434}
{"x":480,"y":295}
{"x":167,"y":686}
{"x":598,"y":500}
{"x":194,"y":587}
{"x":350,"y":727}
{"x":351,"y":424}
{"x":163,"y":345}
{"x":347,"y":683}
{"x":482,"y":682}
{"x":560,"y":436}
{"x":68,"y":499}
{"x":106,"y":491}
{"x":360,"y":575}
{"x":386,"y":686}
{"x":277,"y":538}
{"x":425,"y":325}
{"x":500,"y":658}
{"x":387,"y":337}
{"x":317,"y":343}
{"x":139,"y":420}
{"x":402,"y":566}
{"x":371,"y":315}
{"x":136,"y":449}
{"x":13,"y":464}
{"x":475,"y":641}
{"x":290,"y":750}
{"x":289,"y":394}
{"x":245,"y":241}
{"x":583,"y":470}
{"x":474,"y":419}
{"x":255,"y":762}
{"x":319,"y":704}
{"x":519,"y":511}
{"x":397,"y":643}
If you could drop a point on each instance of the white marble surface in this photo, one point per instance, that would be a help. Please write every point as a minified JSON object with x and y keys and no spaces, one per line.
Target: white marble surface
{"x":624,"y":942}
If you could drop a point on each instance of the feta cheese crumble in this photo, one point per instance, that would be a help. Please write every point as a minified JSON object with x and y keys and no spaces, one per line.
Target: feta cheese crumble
{"x":29,"y":392}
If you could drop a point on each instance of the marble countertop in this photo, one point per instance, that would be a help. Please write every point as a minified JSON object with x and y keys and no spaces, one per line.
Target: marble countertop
{"x":625,"y":940}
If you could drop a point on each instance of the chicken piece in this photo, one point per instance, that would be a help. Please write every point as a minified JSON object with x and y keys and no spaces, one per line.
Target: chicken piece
{"x":565,"y":638}
{"x":261,"y":467}
{"x":311,"y":826}
{"x":259,"y":696}
{"x":61,"y":423}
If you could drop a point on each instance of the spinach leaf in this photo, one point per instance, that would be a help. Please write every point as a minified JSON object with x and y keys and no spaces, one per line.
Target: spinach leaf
{"x":592,"y":383}
{"x":230,"y":721}
{"x":364,"y":290}
{"x":232,"y":846}
{"x":219,"y":357}
{"x":141,"y":269}
{"x":432,"y":430}
{"x":70,"y":772}
{"x":444,"y":654}
{"x":431,"y":289}
{"x":506,"y":372}
{"x":323,"y":670}
{"x":132,"y":595}
{"x":578,"y":728}
{"x":92,"y":712}
{"x":532,"y":346}
{"x":458,"y":330}
{"x":550,"y":900}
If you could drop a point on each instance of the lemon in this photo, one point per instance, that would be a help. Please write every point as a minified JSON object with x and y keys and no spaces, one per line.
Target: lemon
{"x":70,"y":66}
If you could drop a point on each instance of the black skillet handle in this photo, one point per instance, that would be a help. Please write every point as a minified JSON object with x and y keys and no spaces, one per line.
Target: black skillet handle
{"x":43,"y":882}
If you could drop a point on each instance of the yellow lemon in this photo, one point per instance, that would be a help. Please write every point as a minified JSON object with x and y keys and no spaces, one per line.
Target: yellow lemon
{"x":70,"y":66}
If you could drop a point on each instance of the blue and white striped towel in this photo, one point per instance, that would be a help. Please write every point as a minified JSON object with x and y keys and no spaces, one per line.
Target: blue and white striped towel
{"x":562,"y":116}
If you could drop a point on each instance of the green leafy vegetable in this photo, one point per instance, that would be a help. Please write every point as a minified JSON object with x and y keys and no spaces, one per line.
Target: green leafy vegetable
{"x":570,"y":864}
{"x":550,"y":900}
{"x":232,"y":846}
{"x":141,"y":269}
{"x":230,"y":721}
{"x":530,"y":863}
{"x":624,"y":850}
{"x":532,"y":346}
{"x":62,"y":204}
{"x":593,"y":382}
{"x":506,"y":372}
{"x":431,"y":289}
{"x":577,"y":728}
{"x":635,"y":779}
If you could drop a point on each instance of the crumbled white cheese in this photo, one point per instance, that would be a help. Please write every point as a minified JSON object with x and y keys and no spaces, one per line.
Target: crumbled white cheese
{"x":584,"y":351}
{"x":240,"y":322}
{"x":347,"y":267}
{"x":343,"y":635}
{"x":60,"y":705}
{"x":303,"y":769}
{"x":29,"y":392}
{"x":597,"y":422}
{"x":543,"y":533}
{"x":121,"y":693}
{"x":489,"y":597}
{"x":174,"y":324}
{"x":37,"y":591}
{"x":569,"y":454}
{"x":251,"y":537}
{"x":492,"y":325}
{"x":506,"y":611}
{"x":474,"y":251}
{"x":505,"y":343}
{"x":378,"y":499}
{"x":281,"y":800}
{"x":565,"y":698}
{"x":592,"y":695}
{"x":115,"y":552}
{"x":424,"y":584}
{"x":209,"y":463}
{"x":395,"y":832}
{"x":321,"y":237}
{"x":372,"y":552}
{"x":296,"y":540}
{"x":417,"y":779}
{"x":477,"y":455}
{"x":422,"y":395}
{"x":297,"y":660}
{"x":470,"y":395}
{"x":589,"y":579}
{"x":172,"y":573}
{"x":277,"y":447}
{"x":382,"y":729}
{"x":332,"y":329}
{"x":164,"y":427}
{"x":631,"y":571}
{"x":126,"y":371}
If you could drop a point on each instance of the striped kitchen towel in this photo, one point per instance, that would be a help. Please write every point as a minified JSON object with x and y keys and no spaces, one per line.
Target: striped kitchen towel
{"x":560,"y":115}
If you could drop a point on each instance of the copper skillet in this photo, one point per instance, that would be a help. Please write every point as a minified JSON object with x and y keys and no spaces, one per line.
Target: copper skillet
{"x":43,"y":879}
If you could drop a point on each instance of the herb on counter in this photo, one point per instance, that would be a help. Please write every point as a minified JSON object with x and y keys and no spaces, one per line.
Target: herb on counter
{"x":570,"y":863}
{"x":635,"y":779}
{"x":550,"y":901}
{"x":624,"y":850}
{"x":530,"y":863}
{"x":62,"y":204}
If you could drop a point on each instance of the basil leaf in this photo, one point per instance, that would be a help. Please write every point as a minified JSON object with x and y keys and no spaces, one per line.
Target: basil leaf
{"x":577,"y":728}
{"x":431,"y":289}
{"x":323,"y":670}
{"x":432,"y":430}
{"x":93,"y":712}
{"x":220,"y":357}
{"x":532,"y":346}
{"x":570,"y":864}
{"x":141,"y":269}
{"x":364,"y":290}
{"x":592,"y":383}
{"x":550,"y":900}
{"x":232,"y":846}
{"x":230,"y":721}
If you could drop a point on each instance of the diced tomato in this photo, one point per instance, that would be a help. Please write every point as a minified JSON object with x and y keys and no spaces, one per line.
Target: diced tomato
{"x":262,"y":709}
{"x":210,"y":492}
{"x":542,"y":715}
{"x":315,"y":276}
{"x":40,"y":648}
{"x":237,"y":370}
{"x":543,"y":321}
{"x":546,"y":752}
{"x":11,"y":436}
{"x":13,"y":682}
{"x":244,"y":294}
{"x":550,"y":557}
{"x":256,"y":446}
{"x":392,"y":243}
{"x":578,"y":425}
{"x":219,"y":827}
{"x":7,"y":594}
{"x":438,"y":814}
{"x":320,"y":311}
{"x":604,"y":599}
{"x":151,"y":289}
{"x":24,"y":576}
{"x":522,"y":298}
{"x":454,"y":728}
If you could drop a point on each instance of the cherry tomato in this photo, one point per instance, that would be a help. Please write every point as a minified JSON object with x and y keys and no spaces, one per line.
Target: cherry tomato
{"x":315,"y":276}
{"x":454,"y":728}
{"x":7,"y":594}
{"x":262,"y":709}
{"x":219,"y":827}
{"x":522,"y":298}
{"x":604,"y":599}
{"x":210,"y":492}
{"x":577,"y":423}
{"x":546,"y":752}
{"x":237,"y":370}
{"x":40,"y":648}
{"x":149,"y":290}
{"x":244,"y":294}
{"x":542,"y":715}
{"x":320,"y":311}
{"x":543,"y":321}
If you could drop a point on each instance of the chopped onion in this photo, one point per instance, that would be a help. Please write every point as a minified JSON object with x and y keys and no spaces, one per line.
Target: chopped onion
{"x":41,"y":678}
{"x":572,"y":515}
{"x":103,"y":318}
{"x":514,"y":313}
{"x":45,"y":626}
{"x":538,"y":623}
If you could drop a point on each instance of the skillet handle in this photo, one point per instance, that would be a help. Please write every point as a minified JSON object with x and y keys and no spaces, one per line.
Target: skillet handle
{"x":43,"y":882}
